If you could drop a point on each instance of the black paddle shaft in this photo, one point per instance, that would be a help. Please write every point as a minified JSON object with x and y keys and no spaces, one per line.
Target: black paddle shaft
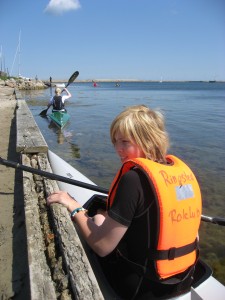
{"x":12,"y":164}
{"x":214,"y":220}
{"x":52,"y":176}
{"x":72,"y":78}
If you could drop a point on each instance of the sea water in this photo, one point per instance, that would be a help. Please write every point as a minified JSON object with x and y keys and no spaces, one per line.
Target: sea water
{"x":195,"y":120}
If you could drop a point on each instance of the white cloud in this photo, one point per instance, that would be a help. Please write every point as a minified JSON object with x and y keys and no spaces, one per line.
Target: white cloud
{"x":60,"y":6}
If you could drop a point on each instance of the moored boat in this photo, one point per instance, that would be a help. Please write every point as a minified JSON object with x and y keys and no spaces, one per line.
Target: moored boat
{"x":59,"y":118}
{"x":204,"y":286}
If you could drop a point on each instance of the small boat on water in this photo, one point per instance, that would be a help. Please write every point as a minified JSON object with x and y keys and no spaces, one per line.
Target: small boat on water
{"x":204,"y":286}
{"x":59,"y":118}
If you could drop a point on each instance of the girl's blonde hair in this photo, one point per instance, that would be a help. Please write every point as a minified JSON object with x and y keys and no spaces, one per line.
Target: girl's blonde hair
{"x":145,"y":128}
{"x":58,"y":91}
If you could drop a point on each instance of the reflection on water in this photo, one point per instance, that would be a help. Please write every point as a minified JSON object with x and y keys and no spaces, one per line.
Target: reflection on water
{"x":60,"y":138}
{"x":75,"y":150}
{"x":65,"y":136}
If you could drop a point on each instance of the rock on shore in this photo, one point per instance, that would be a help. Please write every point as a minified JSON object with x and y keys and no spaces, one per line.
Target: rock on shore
{"x":24,"y":84}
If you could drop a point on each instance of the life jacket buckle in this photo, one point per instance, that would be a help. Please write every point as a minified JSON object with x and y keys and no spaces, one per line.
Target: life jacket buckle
{"x":171,"y":253}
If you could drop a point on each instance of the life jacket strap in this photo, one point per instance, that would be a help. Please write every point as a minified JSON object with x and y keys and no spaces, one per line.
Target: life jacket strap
{"x":177,"y":280}
{"x":173,"y":252}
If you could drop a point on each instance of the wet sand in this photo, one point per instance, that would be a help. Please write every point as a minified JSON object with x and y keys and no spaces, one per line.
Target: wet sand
{"x":14,"y":276}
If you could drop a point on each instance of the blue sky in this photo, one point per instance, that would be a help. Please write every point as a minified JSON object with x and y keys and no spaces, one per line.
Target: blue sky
{"x":114,"y":39}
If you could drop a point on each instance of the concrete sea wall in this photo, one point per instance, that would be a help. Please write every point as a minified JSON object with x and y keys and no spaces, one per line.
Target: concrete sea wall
{"x":58,"y":264}
{"x":42,"y":254}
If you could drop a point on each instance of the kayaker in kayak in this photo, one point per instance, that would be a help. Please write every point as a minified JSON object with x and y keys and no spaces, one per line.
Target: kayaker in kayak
{"x":58,"y":101}
{"x":94,"y":83}
{"x":147,"y":241}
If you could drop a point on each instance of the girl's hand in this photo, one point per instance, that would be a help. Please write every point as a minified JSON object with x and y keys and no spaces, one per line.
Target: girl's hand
{"x":64,"y":199}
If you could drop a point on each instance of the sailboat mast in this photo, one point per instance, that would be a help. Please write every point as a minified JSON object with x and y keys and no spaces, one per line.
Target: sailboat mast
{"x":1,"y":58}
{"x":19,"y":54}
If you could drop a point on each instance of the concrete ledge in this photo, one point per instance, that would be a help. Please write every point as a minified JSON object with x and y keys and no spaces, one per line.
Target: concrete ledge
{"x":82,"y":278}
{"x":41,"y":285}
{"x":58,"y":264}
{"x":29,"y":137}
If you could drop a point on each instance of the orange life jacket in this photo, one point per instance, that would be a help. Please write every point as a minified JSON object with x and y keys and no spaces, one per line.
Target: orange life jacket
{"x":179,"y":209}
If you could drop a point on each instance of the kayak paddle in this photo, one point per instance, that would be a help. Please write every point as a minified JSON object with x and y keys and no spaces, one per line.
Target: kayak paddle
{"x":44,"y":112}
{"x":12,"y":164}
{"x":71,"y":79}
{"x":52,"y":176}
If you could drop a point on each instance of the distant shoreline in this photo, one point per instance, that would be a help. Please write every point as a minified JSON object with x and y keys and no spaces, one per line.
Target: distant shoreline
{"x":132,"y":80}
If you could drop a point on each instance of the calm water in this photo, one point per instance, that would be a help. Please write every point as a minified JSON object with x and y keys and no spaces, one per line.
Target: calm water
{"x":195,"y":120}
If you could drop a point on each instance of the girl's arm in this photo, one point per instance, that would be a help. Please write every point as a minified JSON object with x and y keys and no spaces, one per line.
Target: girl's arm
{"x":102,"y":236}
{"x":68,"y":93}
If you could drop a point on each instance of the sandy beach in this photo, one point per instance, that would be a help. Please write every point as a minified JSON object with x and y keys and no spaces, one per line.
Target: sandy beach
{"x":14,"y":276}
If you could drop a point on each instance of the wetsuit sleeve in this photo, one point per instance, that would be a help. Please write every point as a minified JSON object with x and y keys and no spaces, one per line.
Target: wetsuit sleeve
{"x":126,"y":199}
